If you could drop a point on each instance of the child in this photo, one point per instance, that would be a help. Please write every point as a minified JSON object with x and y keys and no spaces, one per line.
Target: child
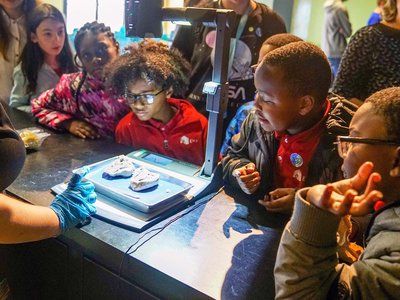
{"x":46,"y":56}
{"x":271,"y":43}
{"x":147,"y":76}
{"x":288,"y":141}
{"x":306,"y":266}
{"x":79,"y":103}
{"x":12,"y":40}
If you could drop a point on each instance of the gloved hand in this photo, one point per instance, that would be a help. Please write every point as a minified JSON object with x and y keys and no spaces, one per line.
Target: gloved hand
{"x":75,"y":204}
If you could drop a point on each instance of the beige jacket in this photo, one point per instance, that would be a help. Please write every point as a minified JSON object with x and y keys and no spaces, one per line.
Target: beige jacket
{"x":307,"y":266}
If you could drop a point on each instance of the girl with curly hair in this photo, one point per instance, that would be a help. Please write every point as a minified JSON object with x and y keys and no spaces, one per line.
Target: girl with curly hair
{"x":146,"y":76}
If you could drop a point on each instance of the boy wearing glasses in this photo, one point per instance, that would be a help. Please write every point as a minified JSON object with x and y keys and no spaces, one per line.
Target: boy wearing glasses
{"x":306,"y":265}
{"x":146,"y":76}
{"x":288,"y":142}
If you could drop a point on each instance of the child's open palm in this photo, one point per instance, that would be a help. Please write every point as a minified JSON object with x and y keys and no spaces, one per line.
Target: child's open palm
{"x":347,"y":196}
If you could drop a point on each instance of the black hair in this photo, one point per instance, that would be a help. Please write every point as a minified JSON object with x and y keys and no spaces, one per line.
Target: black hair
{"x":386,"y":103}
{"x":153,"y":62}
{"x":281,"y":39}
{"x":94,"y":28}
{"x":5,"y":34}
{"x":305,"y":68}
{"x":32,"y":57}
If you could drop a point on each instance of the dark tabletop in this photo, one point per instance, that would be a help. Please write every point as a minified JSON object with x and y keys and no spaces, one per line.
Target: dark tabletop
{"x":222,"y":246}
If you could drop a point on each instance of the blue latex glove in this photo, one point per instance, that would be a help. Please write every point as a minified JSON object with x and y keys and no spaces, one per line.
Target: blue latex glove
{"x":75,"y":204}
{"x":238,"y":221}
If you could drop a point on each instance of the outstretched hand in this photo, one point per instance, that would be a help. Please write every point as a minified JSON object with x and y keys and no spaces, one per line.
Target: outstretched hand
{"x":248,"y":178}
{"x":75,"y":204}
{"x":347,"y":196}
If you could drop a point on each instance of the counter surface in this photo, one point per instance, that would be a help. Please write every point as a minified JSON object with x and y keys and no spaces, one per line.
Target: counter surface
{"x":220,"y":247}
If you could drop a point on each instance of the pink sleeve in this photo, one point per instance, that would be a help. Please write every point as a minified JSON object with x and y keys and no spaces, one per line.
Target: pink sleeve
{"x":56,"y":105}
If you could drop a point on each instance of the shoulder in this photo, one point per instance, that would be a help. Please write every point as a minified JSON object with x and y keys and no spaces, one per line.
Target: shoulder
{"x":267,"y":14}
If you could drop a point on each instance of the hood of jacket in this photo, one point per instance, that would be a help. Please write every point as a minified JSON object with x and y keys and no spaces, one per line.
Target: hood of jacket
{"x":333,"y":4}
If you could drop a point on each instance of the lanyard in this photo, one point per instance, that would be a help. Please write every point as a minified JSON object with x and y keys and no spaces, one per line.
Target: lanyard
{"x":239,"y":31}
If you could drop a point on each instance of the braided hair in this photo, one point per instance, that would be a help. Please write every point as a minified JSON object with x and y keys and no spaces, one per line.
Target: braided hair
{"x":152,"y":62}
{"x":94,"y":28}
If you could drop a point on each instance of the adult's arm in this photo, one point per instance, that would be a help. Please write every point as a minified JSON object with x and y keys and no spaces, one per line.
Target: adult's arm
{"x":23,"y":222}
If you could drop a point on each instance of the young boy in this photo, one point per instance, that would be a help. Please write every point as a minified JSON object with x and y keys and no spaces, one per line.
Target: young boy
{"x":288,"y":141}
{"x":271,"y":43}
{"x":306,"y":266}
{"x":147,"y":76}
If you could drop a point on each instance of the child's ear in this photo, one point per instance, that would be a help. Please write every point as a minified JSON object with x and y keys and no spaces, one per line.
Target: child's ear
{"x":306,"y":104}
{"x":34,"y":38}
{"x":169,"y":92}
{"x":395,"y":170}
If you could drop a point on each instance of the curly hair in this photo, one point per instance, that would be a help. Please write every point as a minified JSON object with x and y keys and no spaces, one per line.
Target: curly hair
{"x":152,"y":62}
{"x":386,"y":103}
{"x":305,"y":67}
{"x":389,"y":11}
{"x":281,"y":39}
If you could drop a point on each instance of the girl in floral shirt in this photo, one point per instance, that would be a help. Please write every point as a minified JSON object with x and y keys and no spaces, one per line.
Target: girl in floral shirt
{"x":80,"y":103}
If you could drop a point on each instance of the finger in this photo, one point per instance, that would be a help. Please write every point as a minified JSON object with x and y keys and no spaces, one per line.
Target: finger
{"x":363,"y":173}
{"x":78,"y":133}
{"x":250,"y":168}
{"x":366,"y":206}
{"x":285,"y":202}
{"x":373,"y":181}
{"x":325,"y":200}
{"x":239,"y":172}
{"x":85,"y":131}
{"x":249,"y":177}
{"x":282,"y":192}
{"x":343,"y":207}
{"x":78,"y":175}
{"x":91,"y":198}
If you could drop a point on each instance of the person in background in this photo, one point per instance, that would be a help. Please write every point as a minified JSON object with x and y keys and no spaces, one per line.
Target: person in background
{"x":46,"y":56}
{"x":288,"y":141}
{"x":255,"y":22}
{"x":271,"y":43}
{"x":306,"y":265}
{"x":375,"y":16}
{"x":337,"y":28}
{"x":13,"y":36}
{"x":371,"y":61}
{"x":80,"y":103}
{"x":147,"y":75}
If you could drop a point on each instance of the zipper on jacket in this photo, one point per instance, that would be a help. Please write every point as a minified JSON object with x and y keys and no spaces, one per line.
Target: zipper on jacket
{"x":166,"y":146}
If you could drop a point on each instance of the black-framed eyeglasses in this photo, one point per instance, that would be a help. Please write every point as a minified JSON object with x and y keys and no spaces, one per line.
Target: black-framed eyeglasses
{"x":345,"y":143}
{"x":144,"y":99}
